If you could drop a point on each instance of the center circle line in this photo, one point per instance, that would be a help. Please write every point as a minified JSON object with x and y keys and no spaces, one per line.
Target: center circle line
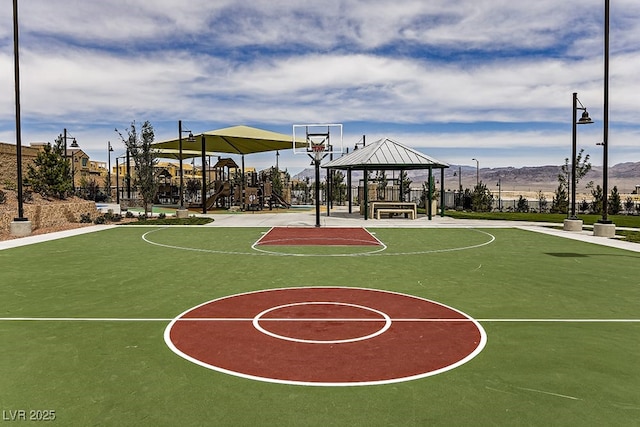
{"x":385,"y":317}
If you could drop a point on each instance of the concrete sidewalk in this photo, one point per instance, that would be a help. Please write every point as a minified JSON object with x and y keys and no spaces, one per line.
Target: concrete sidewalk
{"x":340,"y":217}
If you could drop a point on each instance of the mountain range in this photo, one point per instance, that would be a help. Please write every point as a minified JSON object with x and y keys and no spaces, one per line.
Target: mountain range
{"x":626,"y":176}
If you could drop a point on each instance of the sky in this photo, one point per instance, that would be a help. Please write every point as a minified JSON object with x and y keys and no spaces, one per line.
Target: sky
{"x":458,"y":80}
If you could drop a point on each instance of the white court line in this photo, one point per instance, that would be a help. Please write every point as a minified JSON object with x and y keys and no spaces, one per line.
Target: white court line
{"x":251,"y":319}
{"x":549,"y":393}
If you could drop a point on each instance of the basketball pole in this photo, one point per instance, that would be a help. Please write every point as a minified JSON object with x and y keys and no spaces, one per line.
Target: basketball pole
{"x":317,"y":196}
{"x":318,"y":146}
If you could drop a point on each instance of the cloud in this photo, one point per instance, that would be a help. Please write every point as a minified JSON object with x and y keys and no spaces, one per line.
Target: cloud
{"x":459,"y":67}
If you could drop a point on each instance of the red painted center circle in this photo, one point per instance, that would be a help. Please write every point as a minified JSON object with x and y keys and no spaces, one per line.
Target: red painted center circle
{"x":331,"y":336}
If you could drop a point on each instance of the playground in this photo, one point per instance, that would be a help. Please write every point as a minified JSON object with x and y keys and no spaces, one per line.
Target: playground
{"x":380,"y":322}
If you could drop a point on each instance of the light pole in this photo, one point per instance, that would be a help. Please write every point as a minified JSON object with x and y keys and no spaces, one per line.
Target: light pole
{"x":109,"y":151}
{"x":459,"y":175}
{"x":190,"y":139}
{"x":605,"y":138}
{"x":584,"y":120}
{"x":499,"y":184}
{"x":20,"y":226}
{"x":74,"y":144}
{"x":477,"y":171}
{"x":117,"y":181}
{"x":604,"y":227}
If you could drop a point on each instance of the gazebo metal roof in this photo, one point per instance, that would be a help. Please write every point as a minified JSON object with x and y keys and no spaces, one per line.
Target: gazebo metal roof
{"x":385,"y":154}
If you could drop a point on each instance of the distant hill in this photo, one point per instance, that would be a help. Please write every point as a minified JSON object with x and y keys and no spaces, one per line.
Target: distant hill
{"x":626,"y":176}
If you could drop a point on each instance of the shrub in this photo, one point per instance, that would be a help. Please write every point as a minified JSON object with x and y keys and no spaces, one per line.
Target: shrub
{"x":27,"y":196}
{"x":162,"y":215}
{"x":85,"y":218}
{"x":10,"y":185}
{"x":3,"y":197}
{"x":129,"y":214}
{"x":100,"y":220}
{"x":111,"y":217}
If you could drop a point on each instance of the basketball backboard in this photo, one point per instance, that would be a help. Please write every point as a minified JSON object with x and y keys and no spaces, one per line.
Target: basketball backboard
{"x":325,"y":138}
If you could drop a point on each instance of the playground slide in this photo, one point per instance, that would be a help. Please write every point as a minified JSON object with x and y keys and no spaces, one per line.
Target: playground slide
{"x":280,"y":200}
{"x":223,"y":191}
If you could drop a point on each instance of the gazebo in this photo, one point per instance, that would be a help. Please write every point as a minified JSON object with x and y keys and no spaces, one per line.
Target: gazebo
{"x":387,"y":154}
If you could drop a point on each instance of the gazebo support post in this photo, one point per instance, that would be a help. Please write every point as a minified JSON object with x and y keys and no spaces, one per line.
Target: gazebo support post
{"x":204,"y":178}
{"x":366,"y":194}
{"x":242,"y":187}
{"x":316,"y":163}
{"x":401,"y":186}
{"x":349,"y":191}
{"x":442,"y":192}
{"x":427,"y":202}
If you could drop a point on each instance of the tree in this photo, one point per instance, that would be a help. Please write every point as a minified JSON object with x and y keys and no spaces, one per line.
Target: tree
{"x":596,"y":197}
{"x":614,"y":202}
{"x":338,"y":187}
{"x":425,"y":193}
{"x":584,"y":206}
{"x":467,"y":199}
{"x":50,"y":173}
{"x":523,"y":205}
{"x":560,"y":202}
{"x":481,"y":198}
{"x":542,"y":202}
{"x":193,"y":188}
{"x":90,"y":190}
{"x":303,"y":187}
{"x":583,"y":166}
{"x":139,"y":147}
{"x":381,"y":179}
{"x":628,"y":205}
{"x":405,"y":183}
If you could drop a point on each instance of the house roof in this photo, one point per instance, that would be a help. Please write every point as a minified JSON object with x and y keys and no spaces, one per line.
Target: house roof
{"x":385,"y":154}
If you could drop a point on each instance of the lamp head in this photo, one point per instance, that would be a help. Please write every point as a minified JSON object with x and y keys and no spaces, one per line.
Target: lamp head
{"x":74,"y":144}
{"x":585,"y":119}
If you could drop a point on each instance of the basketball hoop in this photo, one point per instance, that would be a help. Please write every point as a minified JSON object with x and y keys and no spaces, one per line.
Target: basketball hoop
{"x":320,"y":140}
{"x":318,"y":150}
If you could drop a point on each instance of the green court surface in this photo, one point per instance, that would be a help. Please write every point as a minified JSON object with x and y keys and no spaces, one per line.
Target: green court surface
{"x":83,"y":320}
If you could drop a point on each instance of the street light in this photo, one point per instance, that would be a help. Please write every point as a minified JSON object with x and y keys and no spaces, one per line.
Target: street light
{"x":74,"y":144}
{"x":605,"y":139}
{"x":584,"y":120}
{"x":459,"y":175}
{"x":20,"y":226}
{"x":477,"y":172}
{"x":499,"y":184}
{"x":109,"y":151}
{"x":604,"y":227}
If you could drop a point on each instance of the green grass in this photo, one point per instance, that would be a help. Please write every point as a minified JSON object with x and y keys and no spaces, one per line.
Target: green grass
{"x":122,"y":373}
{"x":632,"y":221}
{"x":624,"y":221}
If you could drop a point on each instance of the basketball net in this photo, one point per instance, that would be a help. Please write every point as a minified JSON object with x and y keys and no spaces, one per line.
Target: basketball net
{"x":318,"y":148}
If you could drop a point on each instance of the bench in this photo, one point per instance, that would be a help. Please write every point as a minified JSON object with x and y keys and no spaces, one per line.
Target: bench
{"x":392,"y":211}
{"x":393,"y":207}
